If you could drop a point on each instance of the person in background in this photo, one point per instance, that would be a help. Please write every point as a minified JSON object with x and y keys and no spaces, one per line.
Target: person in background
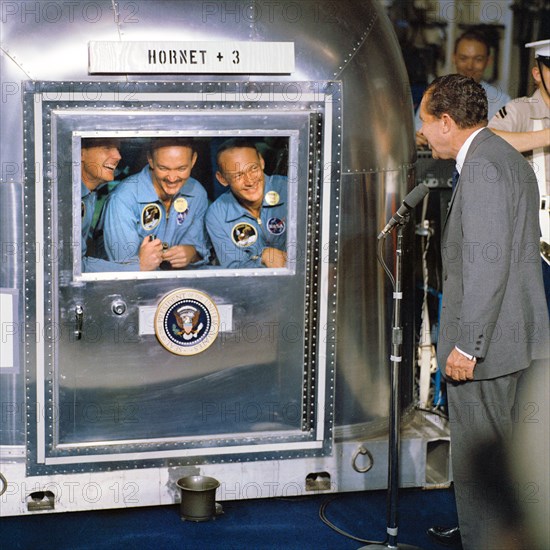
{"x":247,"y":224}
{"x":155,"y":218}
{"x":471,"y":57}
{"x":494,"y":322}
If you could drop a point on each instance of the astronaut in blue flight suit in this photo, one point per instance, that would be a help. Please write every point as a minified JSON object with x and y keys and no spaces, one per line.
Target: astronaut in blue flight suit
{"x":155,"y":218}
{"x":247,"y":224}
{"x":99,"y":160}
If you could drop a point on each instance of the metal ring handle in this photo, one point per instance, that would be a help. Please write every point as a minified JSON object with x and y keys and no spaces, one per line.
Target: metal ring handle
{"x":4,"y":484}
{"x":362,"y":451}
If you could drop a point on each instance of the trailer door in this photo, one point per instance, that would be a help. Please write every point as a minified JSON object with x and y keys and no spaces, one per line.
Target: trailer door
{"x":108,"y":381}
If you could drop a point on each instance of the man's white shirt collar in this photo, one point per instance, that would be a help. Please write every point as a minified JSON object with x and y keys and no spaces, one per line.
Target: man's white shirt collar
{"x":461,"y":157}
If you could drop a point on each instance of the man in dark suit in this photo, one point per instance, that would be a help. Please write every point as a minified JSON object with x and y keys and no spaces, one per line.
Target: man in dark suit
{"x":494,"y":322}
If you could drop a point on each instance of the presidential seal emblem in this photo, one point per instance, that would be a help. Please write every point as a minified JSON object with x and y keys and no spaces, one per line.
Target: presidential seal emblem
{"x":186,"y":322}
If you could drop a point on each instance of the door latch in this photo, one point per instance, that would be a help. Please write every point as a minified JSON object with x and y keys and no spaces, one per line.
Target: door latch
{"x":118,"y":307}
{"x":79,"y":319}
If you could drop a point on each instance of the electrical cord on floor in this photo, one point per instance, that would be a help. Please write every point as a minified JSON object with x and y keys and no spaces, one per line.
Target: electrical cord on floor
{"x":326,"y":521}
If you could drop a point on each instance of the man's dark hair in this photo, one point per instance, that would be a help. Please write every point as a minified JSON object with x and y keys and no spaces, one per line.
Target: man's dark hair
{"x":461,"y":97}
{"x":170,"y":141}
{"x":236,"y":143}
{"x":477,"y":35}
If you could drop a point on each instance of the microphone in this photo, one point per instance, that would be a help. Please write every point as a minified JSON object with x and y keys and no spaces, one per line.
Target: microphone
{"x":410,"y":201}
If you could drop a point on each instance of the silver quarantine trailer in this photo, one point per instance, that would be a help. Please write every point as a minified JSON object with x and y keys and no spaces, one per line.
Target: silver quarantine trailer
{"x":280,"y":383}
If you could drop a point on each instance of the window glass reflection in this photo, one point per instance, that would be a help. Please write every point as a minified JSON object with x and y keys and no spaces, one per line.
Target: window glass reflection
{"x":180,"y":203}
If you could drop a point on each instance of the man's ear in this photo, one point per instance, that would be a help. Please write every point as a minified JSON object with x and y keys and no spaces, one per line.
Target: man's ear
{"x":262,"y":161}
{"x":150,"y":160}
{"x":221,"y":179}
{"x":194,"y":159}
{"x":447,"y":122}
{"x":535,"y":71}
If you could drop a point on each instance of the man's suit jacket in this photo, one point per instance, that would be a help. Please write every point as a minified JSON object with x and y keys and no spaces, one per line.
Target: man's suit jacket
{"x":493,"y":305}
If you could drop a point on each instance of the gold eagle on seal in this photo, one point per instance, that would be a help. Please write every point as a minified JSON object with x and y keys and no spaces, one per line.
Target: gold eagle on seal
{"x":187,"y":319}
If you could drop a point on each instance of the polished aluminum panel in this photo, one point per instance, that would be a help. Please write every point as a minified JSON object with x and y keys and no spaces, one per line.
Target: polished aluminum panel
{"x":350,"y":41}
{"x":364,"y":306}
{"x":113,"y":393}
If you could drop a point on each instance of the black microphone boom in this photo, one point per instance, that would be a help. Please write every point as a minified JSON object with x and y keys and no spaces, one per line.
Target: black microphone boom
{"x":410,"y":201}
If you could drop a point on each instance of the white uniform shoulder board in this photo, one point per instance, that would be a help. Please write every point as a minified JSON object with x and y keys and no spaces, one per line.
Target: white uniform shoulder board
{"x":502,"y":112}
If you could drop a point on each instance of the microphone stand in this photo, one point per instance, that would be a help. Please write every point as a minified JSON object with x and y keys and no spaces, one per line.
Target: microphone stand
{"x":394,"y":421}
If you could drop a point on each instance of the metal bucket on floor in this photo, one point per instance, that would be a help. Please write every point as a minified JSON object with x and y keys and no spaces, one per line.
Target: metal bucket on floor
{"x":198,"y":497}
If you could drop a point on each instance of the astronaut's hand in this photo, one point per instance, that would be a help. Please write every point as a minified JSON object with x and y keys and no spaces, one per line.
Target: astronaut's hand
{"x":181,"y":255}
{"x":273,"y":257}
{"x":150,"y":254}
